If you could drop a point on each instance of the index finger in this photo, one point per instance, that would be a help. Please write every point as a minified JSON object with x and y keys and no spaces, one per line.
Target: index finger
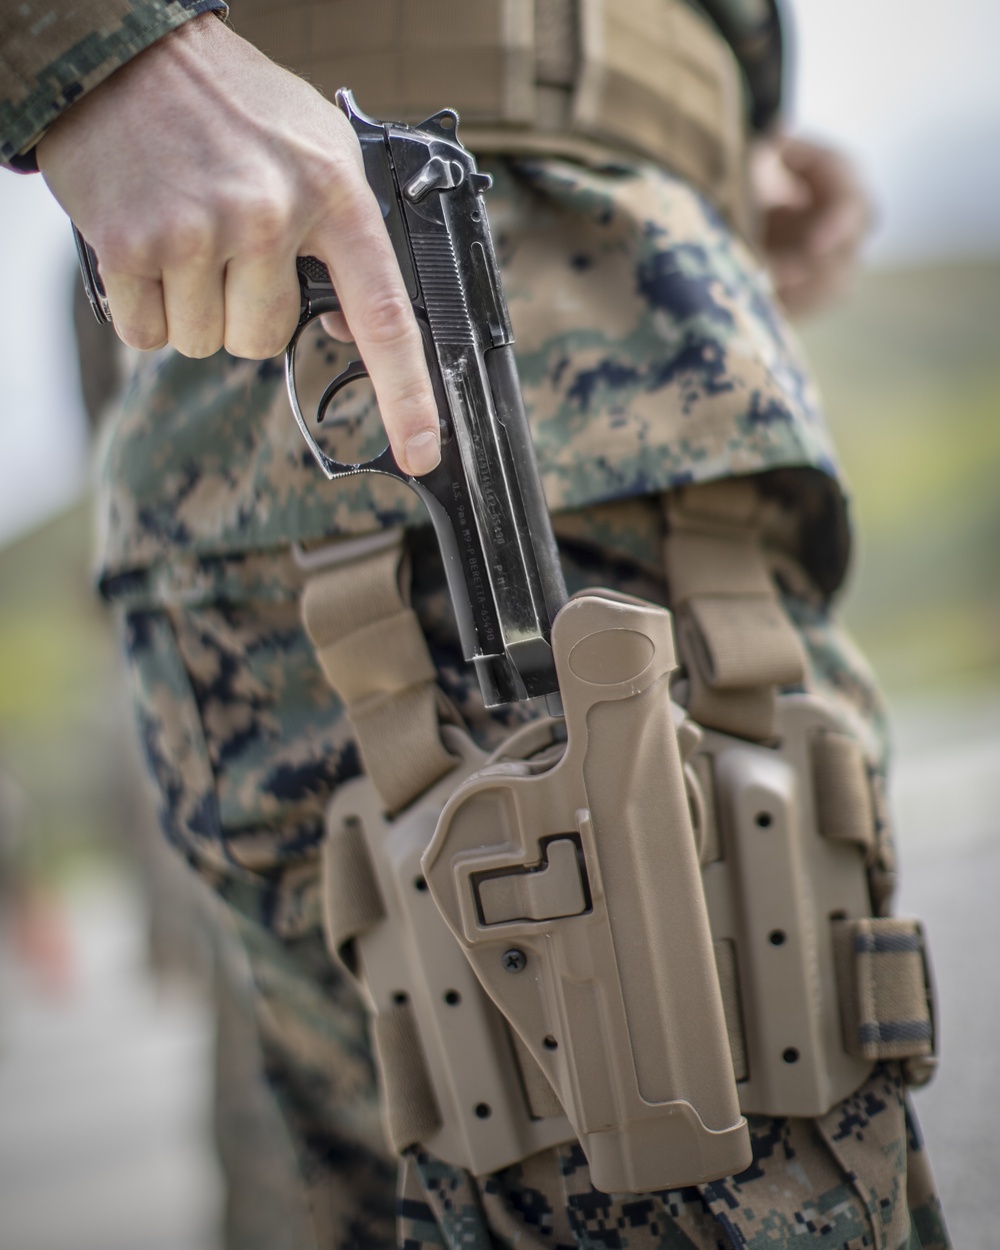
{"x":356,"y":248}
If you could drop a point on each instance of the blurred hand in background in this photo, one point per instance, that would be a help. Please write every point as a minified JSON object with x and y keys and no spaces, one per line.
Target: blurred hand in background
{"x":814,"y":216}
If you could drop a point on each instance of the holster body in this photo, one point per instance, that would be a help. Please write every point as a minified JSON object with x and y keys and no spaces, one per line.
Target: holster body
{"x":623,"y":927}
{"x":575,"y":894}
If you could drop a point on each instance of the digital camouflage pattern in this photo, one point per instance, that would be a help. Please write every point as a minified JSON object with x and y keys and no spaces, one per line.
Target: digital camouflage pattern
{"x":800,"y":1190}
{"x":650,"y":354}
{"x":53,"y":51}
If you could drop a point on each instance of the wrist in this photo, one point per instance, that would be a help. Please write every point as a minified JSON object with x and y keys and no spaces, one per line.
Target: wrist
{"x":198,"y":30}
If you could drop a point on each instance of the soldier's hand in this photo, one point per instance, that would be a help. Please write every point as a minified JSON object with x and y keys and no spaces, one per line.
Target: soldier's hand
{"x":815,"y":216}
{"x":198,"y":172}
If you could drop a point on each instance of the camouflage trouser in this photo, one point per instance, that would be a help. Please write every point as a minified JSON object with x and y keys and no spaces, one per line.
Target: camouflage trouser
{"x":247,"y":742}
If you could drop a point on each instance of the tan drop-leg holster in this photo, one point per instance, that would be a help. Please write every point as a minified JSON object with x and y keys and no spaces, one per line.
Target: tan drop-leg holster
{"x":632,"y":927}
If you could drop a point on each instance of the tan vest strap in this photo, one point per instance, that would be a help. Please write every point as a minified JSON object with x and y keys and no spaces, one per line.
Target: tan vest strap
{"x":845,"y":809}
{"x":885,"y":989}
{"x":373,"y":652}
{"x":352,"y":903}
{"x":412,"y":1114}
{"x":733,"y":634}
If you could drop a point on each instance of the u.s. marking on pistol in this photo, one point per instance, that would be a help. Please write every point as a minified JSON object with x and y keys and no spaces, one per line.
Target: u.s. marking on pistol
{"x":485,"y":498}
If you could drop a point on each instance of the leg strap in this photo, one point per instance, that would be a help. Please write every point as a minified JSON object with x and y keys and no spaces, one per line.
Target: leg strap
{"x":732,"y":634}
{"x":373,"y":652}
{"x":885,"y":991}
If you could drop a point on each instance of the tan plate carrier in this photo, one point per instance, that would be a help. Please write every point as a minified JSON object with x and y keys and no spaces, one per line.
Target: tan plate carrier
{"x":587,"y":79}
{"x":625,"y":928}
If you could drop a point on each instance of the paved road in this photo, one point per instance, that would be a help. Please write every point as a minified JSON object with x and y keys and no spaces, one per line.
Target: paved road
{"x":947,"y":804}
{"x":104,"y":1098}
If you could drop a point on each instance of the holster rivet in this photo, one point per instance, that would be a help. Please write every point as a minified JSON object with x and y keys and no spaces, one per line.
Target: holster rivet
{"x":514,"y":960}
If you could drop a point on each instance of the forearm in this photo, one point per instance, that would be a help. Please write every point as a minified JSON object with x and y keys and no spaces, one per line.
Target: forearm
{"x":55,"y":51}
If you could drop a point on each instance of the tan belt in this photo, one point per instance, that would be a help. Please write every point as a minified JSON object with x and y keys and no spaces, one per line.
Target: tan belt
{"x":581,"y":78}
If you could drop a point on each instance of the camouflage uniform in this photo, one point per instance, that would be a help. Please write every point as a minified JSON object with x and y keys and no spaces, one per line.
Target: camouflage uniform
{"x":652,"y":356}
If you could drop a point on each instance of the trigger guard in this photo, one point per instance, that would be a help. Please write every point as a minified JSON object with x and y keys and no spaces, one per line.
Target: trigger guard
{"x":384,"y":462}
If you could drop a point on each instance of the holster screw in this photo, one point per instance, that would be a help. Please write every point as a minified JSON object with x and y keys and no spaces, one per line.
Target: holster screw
{"x":514,"y":960}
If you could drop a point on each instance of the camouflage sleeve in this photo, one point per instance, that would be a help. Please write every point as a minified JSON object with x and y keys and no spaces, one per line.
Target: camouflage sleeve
{"x":52,"y":51}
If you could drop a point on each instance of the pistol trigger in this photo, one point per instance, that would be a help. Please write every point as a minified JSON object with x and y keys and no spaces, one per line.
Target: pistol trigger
{"x":356,"y":369}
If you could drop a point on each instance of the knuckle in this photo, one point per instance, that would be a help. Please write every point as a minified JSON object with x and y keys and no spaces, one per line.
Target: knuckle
{"x":251,"y":349}
{"x":186,"y":240}
{"x":127,"y":249}
{"x":334,"y":178}
{"x":386,"y":320}
{"x":413,"y":392}
{"x":194,"y":328}
{"x":258,"y":343}
{"x":143,"y":338}
{"x":346,"y":202}
{"x":199,"y":349}
{"x":269,"y":331}
{"x":264,"y":226}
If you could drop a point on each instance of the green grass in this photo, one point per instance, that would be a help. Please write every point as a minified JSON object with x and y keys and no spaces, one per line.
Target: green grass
{"x":910,"y":369}
{"x":63,"y":718}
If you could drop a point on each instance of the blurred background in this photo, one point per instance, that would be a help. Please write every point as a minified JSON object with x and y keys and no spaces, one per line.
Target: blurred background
{"x":106,"y":1021}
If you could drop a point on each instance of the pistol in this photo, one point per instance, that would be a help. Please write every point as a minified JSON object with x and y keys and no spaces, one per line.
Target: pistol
{"x":484,"y":499}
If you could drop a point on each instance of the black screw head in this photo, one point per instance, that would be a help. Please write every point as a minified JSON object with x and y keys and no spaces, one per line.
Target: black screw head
{"x":514,"y":960}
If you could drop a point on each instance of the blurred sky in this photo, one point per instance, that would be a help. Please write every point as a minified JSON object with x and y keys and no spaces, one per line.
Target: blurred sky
{"x":910,"y":88}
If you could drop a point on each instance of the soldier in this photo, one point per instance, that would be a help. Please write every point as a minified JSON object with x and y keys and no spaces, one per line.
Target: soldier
{"x":655,"y":364}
